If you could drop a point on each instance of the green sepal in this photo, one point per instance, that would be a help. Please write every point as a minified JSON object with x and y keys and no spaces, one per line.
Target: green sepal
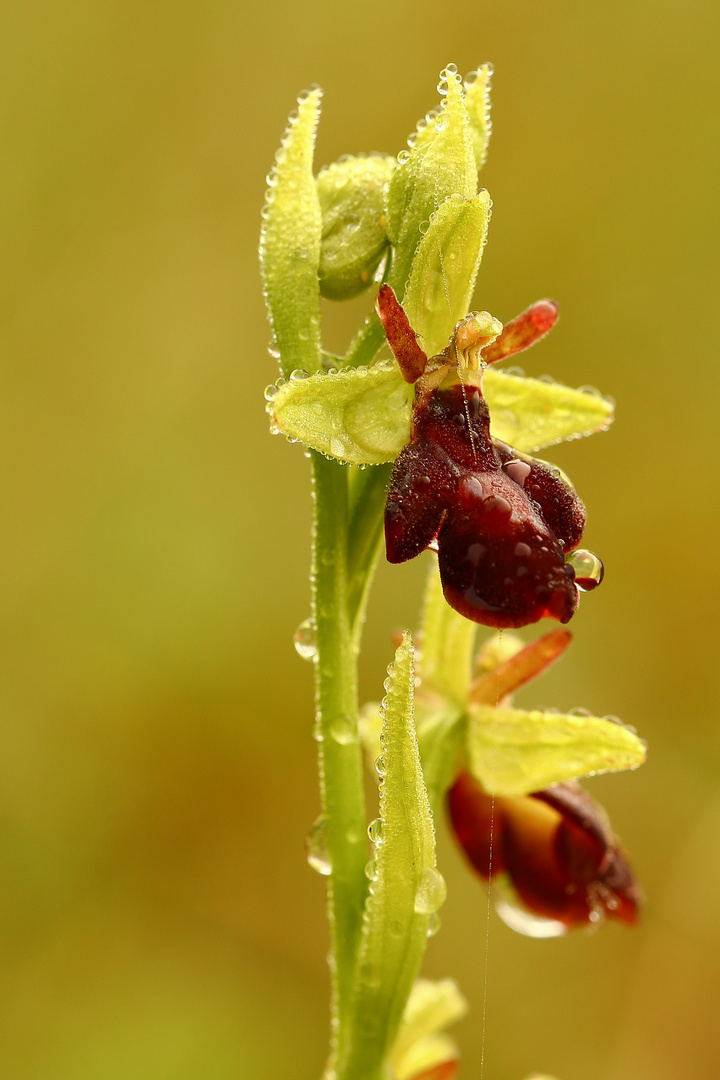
{"x":530,"y":413}
{"x":419,"y":1046}
{"x":405,"y":886}
{"x":441,"y":163}
{"x":352,"y":200}
{"x":477,"y":103}
{"x":447,"y":640}
{"x":513,"y":752}
{"x":290,"y":243}
{"x":444,"y":268}
{"x":360,"y":416}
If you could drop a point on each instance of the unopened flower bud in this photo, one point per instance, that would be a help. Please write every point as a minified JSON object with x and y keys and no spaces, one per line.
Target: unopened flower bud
{"x":354,"y":240}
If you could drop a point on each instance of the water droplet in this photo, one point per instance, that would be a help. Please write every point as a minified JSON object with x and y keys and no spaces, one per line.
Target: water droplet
{"x":380,"y":768}
{"x":316,"y":848}
{"x":343,"y":730}
{"x":338,"y":446}
{"x":440,"y":123}
{"x":371,"y":870}
{"x":423,"y":227}
{"x":298,"y":374}
{"x":271,"y":391}
{"x":588,"y":568}
{"x":580,"y":712}
{"x":431,"y":891}
{"x":375,"y":829}
{"x":304,"y":640}
{"x":403,"y":157}
{"x":524,"y":922}
{"x":434,"y":924}
{"x":517,"y":470}
{"x":450,"y":69}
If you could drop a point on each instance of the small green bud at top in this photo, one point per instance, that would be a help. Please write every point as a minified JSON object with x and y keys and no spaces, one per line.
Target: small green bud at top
{"x":354,"y":240}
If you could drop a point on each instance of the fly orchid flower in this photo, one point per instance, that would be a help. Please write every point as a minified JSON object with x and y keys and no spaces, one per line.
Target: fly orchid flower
{"x":501,"y":522}
{"x":508,"y":777}
{"x":552,"y":855}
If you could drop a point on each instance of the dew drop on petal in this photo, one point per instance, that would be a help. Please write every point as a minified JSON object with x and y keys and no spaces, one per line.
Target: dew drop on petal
{"x":271,"y":391}
{"x":588,"y":568}
{"x":304,"y":640}
{"x":524,"y":922}
{"x":431,"y":891}
{"x":316,"y":848}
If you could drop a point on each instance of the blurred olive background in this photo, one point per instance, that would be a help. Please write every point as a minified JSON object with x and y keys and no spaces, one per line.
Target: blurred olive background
{"x":157,"y":775}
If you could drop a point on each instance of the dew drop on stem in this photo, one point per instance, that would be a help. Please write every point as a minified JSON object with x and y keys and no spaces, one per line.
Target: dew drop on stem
{"x":304,"y":640}
{"x":316,"y":848}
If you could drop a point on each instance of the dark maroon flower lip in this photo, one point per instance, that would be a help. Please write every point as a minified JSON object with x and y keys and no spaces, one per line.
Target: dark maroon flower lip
{"x":501,"y":523}
{"x":555,"y":846}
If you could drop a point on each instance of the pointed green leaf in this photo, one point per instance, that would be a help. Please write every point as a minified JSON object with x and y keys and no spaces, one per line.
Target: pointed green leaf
{"x":444,"y":268}
{"x":530,"y":413}
{"x":290,"y":243}
{"x":358,"y":415}
{"x":405,"y":888}
{"x":352,"y":198}
{"x":513,"y":752}
{"x":446,"y":640}
{"x":477,"y":103}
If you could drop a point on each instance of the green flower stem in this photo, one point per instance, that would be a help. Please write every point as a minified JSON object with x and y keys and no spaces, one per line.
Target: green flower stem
{"x":340,"y":760}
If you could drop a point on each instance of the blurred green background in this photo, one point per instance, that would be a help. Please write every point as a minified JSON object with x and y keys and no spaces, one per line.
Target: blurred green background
{"x":157,"y":775}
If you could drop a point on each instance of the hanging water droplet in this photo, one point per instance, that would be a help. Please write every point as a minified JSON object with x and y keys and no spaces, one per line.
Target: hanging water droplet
{"x":304,"y":640}
{"x":431,"y":891}
{"x":371,"y":870}
{"x":423,"y":227}
{"x":524,"y":922}
{"x":403,"y":157}
{"x":271,"y":391}
{"x":316,"y":848}
{"x":588,"y":568}
{"x":434,"y":924}
{"x":375,"y":831}
{"x":380,"y":768}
